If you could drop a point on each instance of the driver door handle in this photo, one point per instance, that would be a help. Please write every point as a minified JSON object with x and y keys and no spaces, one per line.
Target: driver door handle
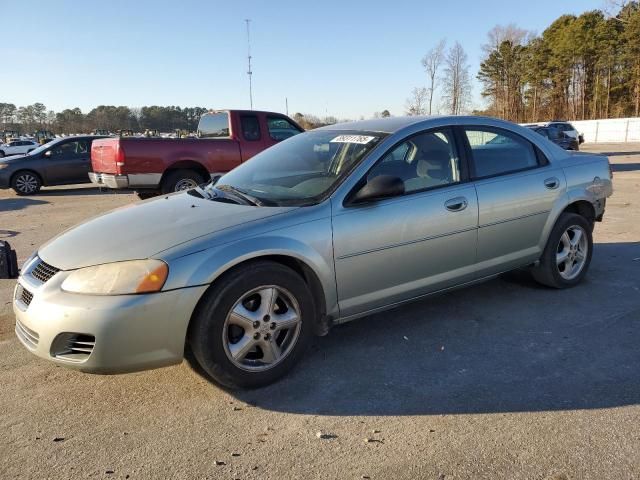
{"x":456,"y":204}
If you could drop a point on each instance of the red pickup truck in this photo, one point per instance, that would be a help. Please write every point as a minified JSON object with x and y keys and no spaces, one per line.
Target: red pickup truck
{"x":226,"y":138}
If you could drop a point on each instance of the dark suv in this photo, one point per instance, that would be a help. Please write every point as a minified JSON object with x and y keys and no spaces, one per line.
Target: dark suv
{"x":558,"y":137}
{"x":61,"y":162}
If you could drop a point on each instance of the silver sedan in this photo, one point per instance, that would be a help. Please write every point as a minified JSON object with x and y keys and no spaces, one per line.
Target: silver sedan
{"x":325,"y":227}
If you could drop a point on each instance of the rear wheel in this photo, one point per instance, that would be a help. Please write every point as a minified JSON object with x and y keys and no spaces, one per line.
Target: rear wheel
{"x":567,"y":256}
{"x":26,"y":183}
{"x":252,"y":326}
{"x":178,"y":180}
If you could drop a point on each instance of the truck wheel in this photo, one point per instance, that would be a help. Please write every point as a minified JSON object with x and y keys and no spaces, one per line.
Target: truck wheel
{"x":178,"y":180}
{"x":252,"y":327}
{"x":566,"y":258}
{"x":26,"y":182}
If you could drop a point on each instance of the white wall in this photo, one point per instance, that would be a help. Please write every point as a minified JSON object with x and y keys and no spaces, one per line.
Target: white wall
{"x":609,"y":130}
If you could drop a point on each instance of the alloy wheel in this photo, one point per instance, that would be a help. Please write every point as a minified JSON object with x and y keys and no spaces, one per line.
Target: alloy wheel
{"x":262,"y":328}
{"x":571,"y":254}
{"x":26,"y":183}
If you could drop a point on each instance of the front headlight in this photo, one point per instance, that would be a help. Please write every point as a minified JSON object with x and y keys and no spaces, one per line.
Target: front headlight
{"x":3,"y":165}
{"x":121,"y":278}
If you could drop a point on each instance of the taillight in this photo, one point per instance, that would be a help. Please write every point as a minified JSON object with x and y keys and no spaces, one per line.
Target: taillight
{"x":119,"y":158}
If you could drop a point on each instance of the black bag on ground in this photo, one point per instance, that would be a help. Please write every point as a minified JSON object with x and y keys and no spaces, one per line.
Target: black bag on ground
{"x":8,"y":261}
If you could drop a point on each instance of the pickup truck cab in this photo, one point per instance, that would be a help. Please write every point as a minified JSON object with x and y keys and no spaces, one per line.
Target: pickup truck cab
{"x":226,"y":138}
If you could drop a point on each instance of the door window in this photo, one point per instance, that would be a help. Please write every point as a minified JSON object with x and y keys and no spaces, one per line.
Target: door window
{"x":496,"y":151}
{"x":280,"y":128}
{"x":71,"y":149}
{"x":250,"y":127}
{"x":426,"y":160}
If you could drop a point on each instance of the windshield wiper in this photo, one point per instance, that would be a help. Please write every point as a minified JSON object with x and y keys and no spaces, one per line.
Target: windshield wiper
{"x":247,"y":198}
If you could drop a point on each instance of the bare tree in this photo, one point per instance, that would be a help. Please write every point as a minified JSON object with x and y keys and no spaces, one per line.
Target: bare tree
{"x":416,"y":103}
{"x":456,"y":80}
{"x":431,"y":63}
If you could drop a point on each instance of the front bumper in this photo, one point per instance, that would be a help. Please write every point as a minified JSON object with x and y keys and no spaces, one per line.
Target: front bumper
{"x":5,"y":179}
{"x":109,"y":180}
{"x":114,"y":334}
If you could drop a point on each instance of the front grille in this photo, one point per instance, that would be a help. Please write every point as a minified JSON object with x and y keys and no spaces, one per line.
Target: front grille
{"x":28,"y":336}
{"x":24,"y":295}
{"x":43,"y":271}
{"x":75,"y":347}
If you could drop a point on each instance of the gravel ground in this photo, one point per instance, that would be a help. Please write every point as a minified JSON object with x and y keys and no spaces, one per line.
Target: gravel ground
{"x":502,"y":380}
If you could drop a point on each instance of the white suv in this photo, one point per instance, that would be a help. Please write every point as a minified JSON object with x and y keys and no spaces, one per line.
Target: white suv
{"x":17,"y":147}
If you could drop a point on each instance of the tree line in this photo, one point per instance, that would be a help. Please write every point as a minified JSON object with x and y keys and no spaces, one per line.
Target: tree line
{"x":580,"y":67}
{"x":31,"y":118}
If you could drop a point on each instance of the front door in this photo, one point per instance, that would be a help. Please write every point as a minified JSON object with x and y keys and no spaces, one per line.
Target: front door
{"x":395,"y":249}
{"x":70,"y":162}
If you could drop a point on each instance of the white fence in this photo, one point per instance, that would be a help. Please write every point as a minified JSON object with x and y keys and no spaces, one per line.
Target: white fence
{"x":612,"y":130}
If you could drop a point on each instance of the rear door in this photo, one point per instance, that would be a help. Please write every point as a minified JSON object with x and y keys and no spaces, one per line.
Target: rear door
{"x":516,"y":187}
{"x":252,"y":138}
{"x":69,"y":162}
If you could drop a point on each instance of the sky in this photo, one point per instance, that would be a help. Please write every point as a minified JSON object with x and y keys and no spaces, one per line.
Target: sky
{"x":341,"y":58}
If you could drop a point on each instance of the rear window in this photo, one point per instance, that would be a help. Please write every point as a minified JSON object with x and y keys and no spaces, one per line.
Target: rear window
{"x":214,"y":125}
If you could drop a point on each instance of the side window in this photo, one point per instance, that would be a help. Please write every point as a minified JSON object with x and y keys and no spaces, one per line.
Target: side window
{"x":496,"y":151}
{"x":554,"y":133}
{"x":250,"y":127}
{"x":281,"y":128}
{"x":426,"y":160}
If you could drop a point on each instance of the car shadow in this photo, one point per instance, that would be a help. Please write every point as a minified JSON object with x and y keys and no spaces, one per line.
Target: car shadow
{"x":618,"y":154}
{"x":625,"y":167}
{"x":508,"y":345}
{"x":78,"y":190}
{"x":18,"y":203}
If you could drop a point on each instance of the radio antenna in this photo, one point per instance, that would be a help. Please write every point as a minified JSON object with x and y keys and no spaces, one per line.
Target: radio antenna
{"x":249,"y":72}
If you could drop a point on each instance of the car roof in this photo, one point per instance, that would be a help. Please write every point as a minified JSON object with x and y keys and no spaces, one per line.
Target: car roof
{"x":394,"y":124}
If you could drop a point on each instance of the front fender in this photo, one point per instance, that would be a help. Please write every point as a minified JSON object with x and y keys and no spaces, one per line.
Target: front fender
{"x":301,"y":242}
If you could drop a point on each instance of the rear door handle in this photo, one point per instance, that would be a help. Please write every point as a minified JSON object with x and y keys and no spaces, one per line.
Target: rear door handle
{"x":456,"y":204}
{"x":552,"y":183}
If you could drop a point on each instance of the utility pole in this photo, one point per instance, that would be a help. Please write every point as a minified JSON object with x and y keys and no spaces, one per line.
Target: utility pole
{"x":249,"y":72}
{"x":286,"y":103}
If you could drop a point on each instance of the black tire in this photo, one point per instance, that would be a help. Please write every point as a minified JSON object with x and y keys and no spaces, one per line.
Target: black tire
{"x":206,"y":330}
{"x":1,"y":154}
{"x":547,"y":272}
{"x":26,"y":182}
{"x":175,"y":179}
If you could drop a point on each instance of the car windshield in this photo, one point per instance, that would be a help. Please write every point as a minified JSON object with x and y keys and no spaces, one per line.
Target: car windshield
{"x":301,"y":170}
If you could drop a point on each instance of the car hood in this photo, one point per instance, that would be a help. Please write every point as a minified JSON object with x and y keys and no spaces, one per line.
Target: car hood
{"x":143,"y":229}
{"x":9,"y":159}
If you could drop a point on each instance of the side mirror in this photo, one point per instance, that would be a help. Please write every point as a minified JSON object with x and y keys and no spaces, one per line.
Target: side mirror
{"x":48,"y":153}
{"x":382,"y":186}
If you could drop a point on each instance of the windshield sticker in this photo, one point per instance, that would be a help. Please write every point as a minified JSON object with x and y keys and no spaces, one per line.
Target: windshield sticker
{"x":363,"y":139}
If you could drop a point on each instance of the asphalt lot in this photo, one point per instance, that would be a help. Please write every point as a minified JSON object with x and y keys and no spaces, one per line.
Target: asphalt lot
{"x":502,"y":380}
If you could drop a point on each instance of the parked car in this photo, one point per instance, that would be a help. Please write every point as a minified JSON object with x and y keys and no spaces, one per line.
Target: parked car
{"x":558,"y":137}
{"x":17,"y":147}
{"x":62,"y":161}
{"x":567,"y":128}
{"x":328,"y":226}
{"x":163,"y":165}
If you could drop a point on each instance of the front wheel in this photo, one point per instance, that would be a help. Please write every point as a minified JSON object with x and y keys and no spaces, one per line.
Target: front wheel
{"x":253,"y":325}
{"x":26,"y":183}
{"x":567,"y":255}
